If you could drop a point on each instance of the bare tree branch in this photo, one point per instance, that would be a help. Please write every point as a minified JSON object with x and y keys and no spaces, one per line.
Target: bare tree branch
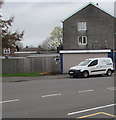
{"x":55,"y":39}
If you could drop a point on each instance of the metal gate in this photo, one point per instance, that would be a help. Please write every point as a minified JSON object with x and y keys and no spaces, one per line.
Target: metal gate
{"x":112,"y":55}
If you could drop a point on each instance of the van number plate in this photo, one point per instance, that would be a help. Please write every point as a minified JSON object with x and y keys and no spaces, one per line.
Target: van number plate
{"x":71,"y":72}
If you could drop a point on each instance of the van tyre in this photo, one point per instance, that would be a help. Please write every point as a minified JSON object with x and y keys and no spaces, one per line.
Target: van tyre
{"x":109,"y":73}
{"x":85,"y":74}
{"x":74,"y":76}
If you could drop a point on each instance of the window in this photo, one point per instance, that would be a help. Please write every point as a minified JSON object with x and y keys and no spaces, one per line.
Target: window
{"x":82,"y":40}
{"x":81,"y":26}
{"x":84,"y":63}
{"x":93,"y":63}
{"x":6,"y":50}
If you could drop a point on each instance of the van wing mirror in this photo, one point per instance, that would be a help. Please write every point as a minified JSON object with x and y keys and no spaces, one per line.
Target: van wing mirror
{"x":89,"y":65}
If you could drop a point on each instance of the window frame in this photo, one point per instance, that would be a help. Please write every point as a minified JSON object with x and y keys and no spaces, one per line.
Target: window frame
{"x":82,"y":26}
{"x":91,"y":64}
{"x":79,"y":43}
{"x":6,"y":50}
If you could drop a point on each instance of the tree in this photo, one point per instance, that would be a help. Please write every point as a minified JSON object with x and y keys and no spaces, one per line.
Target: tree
{"x":55,"y":39}
{"x":9,"y":38}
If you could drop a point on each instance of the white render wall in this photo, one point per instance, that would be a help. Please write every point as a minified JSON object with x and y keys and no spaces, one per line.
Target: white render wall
{"x":70,"y":60}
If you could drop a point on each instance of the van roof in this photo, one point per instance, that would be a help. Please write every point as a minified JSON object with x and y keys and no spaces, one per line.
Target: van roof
{"x":97,"y":58}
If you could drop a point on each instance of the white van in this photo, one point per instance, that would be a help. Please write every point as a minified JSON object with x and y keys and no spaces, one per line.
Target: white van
{"x":93,"y":66}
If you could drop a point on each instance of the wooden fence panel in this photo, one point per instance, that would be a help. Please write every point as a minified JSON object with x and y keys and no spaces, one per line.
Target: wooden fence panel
{"x":31,"y":64}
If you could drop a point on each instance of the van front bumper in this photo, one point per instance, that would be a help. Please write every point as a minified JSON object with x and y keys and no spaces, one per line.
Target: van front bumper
{"x":75,"y":73}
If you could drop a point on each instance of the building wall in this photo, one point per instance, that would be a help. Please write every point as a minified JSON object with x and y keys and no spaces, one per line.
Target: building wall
{"x":12,"y":50}
{"x":100,"y":29}
{"x":70,"y":60}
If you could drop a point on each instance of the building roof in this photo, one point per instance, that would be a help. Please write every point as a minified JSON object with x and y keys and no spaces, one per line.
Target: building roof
{"x":29,"y":49}
{"x":87,"y":6}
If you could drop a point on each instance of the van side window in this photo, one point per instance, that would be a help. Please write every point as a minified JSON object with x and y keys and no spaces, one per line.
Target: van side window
{"x":93,"y":63}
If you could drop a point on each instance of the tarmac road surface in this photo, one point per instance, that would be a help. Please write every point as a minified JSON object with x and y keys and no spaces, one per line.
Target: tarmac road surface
{"x":58,"y":97}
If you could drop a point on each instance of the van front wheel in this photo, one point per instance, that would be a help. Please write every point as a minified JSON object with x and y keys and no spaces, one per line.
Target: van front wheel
{"x":109,"y":73}
{"x":85,"y":74}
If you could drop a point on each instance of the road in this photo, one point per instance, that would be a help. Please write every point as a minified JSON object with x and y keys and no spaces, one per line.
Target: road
{"x":63,"y":97}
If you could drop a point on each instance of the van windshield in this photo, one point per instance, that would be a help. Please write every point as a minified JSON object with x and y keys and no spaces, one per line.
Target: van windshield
{"x":84,"y":63}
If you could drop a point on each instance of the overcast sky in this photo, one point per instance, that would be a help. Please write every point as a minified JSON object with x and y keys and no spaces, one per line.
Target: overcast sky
{"x":38,"y":19}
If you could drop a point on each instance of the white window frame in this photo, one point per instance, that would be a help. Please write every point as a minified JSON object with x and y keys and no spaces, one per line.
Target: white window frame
{"x":82,"y":26}
{"x":82,"y":43}
{"x":6,"y":50}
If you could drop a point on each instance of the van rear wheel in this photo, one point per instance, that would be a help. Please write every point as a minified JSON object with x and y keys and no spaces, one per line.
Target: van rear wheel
{"x":109,"y":73}
{"x":85,"y":74}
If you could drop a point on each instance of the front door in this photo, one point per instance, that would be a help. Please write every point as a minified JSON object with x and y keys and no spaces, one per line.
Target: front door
{"x":93,"y":67}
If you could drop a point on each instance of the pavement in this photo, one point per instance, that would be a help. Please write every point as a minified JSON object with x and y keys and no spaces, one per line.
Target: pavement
{"x":20,"y":79}
{"x":48,"y":77}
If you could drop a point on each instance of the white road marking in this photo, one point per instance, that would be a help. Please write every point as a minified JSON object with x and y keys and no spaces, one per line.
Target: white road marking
{"x":86,"y":91}
{"x":8,"y":101}
{"x":51,"y":95}
{"x":86,"y":110}
{"x":112,"y":88}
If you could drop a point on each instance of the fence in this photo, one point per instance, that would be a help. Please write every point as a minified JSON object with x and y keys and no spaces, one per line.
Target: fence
{"x":40,"y":63}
